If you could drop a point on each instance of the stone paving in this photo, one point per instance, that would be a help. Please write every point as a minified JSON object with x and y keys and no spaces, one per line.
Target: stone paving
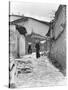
{"x":42,"y":74}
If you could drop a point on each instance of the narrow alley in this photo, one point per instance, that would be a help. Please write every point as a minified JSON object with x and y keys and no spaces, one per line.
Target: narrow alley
{"x":39,"y":72}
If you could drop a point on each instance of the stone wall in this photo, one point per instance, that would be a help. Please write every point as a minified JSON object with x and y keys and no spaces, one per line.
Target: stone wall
{"x":58,"y":48}
{"x":13,"y":41}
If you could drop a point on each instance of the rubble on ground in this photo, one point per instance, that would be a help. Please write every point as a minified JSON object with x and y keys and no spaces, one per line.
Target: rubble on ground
{"x":30,"y":71}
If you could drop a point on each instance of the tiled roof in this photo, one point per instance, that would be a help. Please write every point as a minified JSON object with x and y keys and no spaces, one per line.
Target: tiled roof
{"x":23,"y":19}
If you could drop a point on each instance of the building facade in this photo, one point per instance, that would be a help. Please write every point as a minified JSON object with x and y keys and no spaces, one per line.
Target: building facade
{"x":58,"y":33}
{"x":39,"y":28}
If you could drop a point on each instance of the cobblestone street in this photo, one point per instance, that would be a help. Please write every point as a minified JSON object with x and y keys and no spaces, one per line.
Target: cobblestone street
{"x":43,"y":73}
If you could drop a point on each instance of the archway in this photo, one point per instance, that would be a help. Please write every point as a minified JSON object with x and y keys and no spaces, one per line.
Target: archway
{"x":21,"y":40}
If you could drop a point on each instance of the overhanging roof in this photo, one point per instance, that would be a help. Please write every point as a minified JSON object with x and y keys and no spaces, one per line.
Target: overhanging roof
{"x":24,"y":19}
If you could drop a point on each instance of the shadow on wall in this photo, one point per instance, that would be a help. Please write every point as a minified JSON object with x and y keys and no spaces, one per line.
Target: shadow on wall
{"x":58,"y":53}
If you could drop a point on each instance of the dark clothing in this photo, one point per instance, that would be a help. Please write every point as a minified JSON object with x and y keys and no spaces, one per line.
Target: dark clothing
{"x":29,"y":49}
{"x":37,"y":46}
{"x":37,"y":54}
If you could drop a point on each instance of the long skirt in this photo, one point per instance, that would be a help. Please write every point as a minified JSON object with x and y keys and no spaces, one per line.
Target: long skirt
{"x":37,"y":54}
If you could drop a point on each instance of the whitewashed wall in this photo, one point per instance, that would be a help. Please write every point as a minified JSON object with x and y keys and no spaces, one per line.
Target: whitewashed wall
{"x":36,"y":26}
{"x":22,"y":45}
{"x":30,"y":25}
{"x":13,"y":41}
